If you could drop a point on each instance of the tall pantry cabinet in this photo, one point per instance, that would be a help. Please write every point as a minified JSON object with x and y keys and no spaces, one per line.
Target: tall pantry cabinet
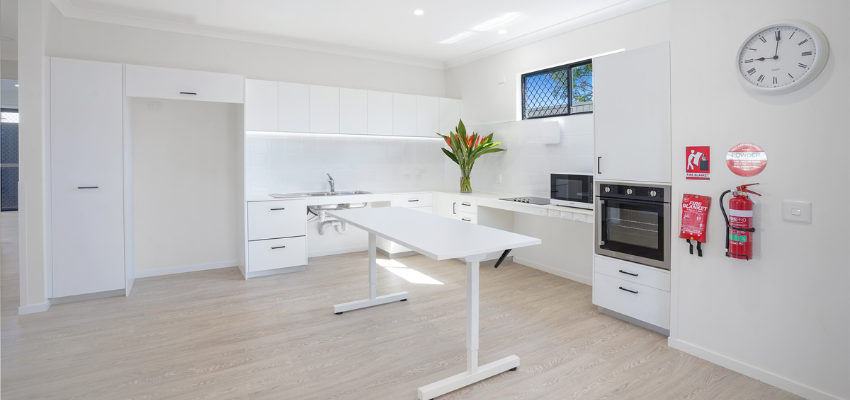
{"x":90,"y":179}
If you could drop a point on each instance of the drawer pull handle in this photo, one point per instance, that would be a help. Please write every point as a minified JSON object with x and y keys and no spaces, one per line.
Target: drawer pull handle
{"x":628,"y":273}
{"x":627,"y":290}
{"x":86,"y":187}
{"x":278,"y":209}
{"x":412,"y":200}
{"x":283,"y":247}
{"x":189,"y":93}
{"x":467,"y":219}
{"x":466,"y":204}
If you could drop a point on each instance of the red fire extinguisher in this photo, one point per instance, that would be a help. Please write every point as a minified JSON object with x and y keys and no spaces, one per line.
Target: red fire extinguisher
{"x":739,"y":223}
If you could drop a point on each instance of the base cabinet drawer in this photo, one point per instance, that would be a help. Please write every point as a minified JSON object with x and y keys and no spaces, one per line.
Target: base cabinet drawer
{"x":277,"y":253}
{"x":276,"y":219}
{"x":647,"y":276}
{"x":467,"y":206}
{"x":412,"y":200}
{"x":466,"y":217}
{"x":640,"y":302}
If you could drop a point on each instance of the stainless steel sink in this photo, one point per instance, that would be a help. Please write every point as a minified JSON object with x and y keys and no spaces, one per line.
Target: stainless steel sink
{"x":317,"y":194}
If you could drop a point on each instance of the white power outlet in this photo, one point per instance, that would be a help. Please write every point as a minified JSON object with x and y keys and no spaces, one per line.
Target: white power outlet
{"x":154,"y":105}
{"x":407,"y":175}
{"x":497,"y":178}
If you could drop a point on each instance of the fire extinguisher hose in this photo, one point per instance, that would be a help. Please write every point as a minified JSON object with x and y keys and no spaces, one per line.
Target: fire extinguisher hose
{"x":730,"y":227}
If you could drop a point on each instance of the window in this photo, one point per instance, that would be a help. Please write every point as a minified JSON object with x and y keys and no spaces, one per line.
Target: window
{"x":562,"y":90}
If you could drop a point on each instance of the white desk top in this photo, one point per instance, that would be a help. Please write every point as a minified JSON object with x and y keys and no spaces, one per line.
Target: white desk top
{"x":437,"y":237}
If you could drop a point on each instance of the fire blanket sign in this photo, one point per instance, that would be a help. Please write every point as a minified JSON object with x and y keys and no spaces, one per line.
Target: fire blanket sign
{"x":698,"y":162}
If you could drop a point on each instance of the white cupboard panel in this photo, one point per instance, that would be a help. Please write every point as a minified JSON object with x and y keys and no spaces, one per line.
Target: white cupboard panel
{"x":293,"y":107}
{"x":276,"y":219}
{"x":631,"y":102}
{"x":449,"y":115}
{"x":277,"y":253}
{"x":637,"y":301}
{"x":353,"y":111}
{"x":647,"y":276}
{"x":404,"y":114}
{"x":260,"y":105}
{"x":324,"y":109}
{"x":181,"y":84}
{"x":427,"y":116}
{"x":86,"y":151}
{"x":412,"y":200}
{"x":380,"y":113}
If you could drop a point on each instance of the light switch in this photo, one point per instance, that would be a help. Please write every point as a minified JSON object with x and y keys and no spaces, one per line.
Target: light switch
{"x":797,"y":211}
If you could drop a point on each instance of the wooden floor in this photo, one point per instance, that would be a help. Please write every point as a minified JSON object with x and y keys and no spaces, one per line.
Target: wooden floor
{"x":212,"y":335}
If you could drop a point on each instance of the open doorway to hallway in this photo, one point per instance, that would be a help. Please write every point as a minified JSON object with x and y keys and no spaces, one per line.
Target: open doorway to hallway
{"x":9,"y":145}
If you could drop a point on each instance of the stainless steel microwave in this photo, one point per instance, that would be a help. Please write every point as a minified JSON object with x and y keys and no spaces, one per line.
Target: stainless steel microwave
{"x":572,"y":190}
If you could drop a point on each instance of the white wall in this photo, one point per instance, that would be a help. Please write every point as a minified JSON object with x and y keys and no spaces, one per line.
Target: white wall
{"x":783,"y":317}
{"x":185,"y":183}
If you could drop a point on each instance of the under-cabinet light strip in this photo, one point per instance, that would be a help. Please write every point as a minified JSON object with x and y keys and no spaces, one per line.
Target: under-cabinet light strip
{"x":340,"y":135}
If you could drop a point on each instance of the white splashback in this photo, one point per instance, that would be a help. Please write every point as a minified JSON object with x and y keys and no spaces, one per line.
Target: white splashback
{"x":526,"y":165}
{"x":299,"y":163}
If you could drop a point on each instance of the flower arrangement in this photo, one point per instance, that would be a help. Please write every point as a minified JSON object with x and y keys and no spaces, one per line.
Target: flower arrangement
{"x":465,"y":149}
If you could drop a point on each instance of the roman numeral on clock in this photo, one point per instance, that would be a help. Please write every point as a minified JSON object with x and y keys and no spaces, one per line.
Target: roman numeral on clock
{"x":807,"y":53}
{"x":751,"y":71}
{"x":748,"y":61}
{"x":763,"y":39}
{"x":792,"y":34}
{"x":761,"y":78}
{"x":775,"y":80}
{"x":801,"y":65}
{"x":803,"y":42}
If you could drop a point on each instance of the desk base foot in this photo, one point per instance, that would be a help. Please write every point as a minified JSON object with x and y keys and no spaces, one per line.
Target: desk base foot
{"x":356,"y":305}
{"x":458,"y":381}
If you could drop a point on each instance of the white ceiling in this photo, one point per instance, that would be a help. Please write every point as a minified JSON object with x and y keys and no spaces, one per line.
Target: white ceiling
{"x":384,"y":29}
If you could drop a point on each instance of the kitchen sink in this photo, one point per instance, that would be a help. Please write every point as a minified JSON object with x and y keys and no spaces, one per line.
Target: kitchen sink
{"x":317,"y":194}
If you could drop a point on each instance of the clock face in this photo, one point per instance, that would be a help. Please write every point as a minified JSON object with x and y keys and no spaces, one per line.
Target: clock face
{"x":782,"y":57}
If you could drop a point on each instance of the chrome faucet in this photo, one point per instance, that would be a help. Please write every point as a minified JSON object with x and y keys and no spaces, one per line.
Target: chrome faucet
{"x":331,"y":181}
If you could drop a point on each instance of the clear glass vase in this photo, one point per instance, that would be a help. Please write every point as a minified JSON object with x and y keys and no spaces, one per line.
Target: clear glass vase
{"x":465,"y":181}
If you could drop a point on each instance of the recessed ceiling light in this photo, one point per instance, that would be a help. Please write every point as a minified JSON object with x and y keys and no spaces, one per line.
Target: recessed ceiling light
{"x":502,"y":32}
{"x":504,"y":19}
{"x":458,"y":37}
{"x":16,"y":85}
{"x":418,"y":12}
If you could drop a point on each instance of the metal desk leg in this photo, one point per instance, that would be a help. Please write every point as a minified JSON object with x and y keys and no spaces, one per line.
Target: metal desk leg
{"x":374,"y":299}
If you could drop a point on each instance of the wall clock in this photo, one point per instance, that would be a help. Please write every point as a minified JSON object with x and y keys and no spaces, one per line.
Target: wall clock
{"x":782,"y":57}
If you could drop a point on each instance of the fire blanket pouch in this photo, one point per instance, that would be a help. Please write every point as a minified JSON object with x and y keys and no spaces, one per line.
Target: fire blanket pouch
{"x":694,"y":219}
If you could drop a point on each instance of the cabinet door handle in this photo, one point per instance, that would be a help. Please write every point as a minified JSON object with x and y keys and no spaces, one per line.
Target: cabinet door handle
{"x":283,"y":247}
{"x":628,"y":273}
{"x":278,"y":209}
{"x":412,"y":200}
{"x":87,"y":187}
{"x":627,"y":290}
{"x":465,"y":204}
{"x":598,"y":168}
{"x":467,"y":219}
{"x":453,"y":208}
{"x":189,"y":93}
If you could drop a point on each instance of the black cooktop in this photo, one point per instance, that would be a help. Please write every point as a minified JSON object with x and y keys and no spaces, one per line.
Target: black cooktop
{"x":540,"y":201}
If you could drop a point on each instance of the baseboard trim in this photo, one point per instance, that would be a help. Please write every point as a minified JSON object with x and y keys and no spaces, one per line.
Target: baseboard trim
{"x":35,"y":308}
{"x":545,"y":268}
{"x":334,"y":252}
{"x":278,"y":271}
{"x":183,"y":269}
{"x":635,"y":321}
{"x":88,"y":296}
{"x":752,"y":371}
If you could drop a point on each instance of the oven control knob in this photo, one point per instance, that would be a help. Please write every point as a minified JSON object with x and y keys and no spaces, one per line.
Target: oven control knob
{"x":653,"y":193}
{"x":629,"y":191}
{"x":607,"y":189}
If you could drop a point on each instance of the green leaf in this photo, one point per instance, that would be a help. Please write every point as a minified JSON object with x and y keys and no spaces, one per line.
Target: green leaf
{"x":451,"y":156}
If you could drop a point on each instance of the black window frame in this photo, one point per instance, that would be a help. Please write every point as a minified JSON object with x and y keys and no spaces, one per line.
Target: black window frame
{"x":569,"y":68}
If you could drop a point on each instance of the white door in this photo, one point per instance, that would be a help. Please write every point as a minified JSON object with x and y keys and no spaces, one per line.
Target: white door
{"x":404,"y":114}
{"x":293,"y":107}
{"x":380,"y":113}
{"x":427,"y":116}
{"x":260,"y":105}
{"x":324,"y":109}
{"x":631,"y":108}
{"x":86,"y":162}
{"x":353,"y":111}
{"x":449,"y":115}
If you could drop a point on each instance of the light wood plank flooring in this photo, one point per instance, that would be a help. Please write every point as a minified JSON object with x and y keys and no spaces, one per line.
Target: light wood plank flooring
{"x":212,"y":335}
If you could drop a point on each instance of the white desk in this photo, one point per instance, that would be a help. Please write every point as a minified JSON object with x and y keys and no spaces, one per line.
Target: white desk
{"x":439,"y":238}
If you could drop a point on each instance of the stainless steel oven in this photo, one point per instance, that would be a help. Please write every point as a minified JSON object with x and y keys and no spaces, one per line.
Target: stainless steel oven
{"x":633,"y":223}
{"x":572,"y":190}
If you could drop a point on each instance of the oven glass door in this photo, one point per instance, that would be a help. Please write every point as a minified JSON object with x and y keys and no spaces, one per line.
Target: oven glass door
{"x":577,"y":188}
{"x":634,"y":228}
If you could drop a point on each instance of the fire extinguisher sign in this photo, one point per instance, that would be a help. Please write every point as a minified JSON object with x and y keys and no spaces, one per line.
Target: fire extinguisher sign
{"x":698,"y":162}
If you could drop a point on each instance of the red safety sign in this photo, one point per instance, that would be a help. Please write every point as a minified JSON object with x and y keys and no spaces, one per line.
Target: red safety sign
{"x":698,"y":162}
{"x":694,"y":219}
{"x":746,"y":159}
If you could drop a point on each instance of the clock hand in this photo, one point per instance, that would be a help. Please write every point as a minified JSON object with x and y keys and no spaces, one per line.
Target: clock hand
{"x":776,"y":53}
{"x":767,"y":58}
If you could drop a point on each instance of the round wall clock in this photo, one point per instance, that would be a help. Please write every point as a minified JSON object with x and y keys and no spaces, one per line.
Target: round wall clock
{"x":782,"y":57}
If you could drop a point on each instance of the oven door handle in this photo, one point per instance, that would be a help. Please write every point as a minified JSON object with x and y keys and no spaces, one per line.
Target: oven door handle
{"x":600,"y":225}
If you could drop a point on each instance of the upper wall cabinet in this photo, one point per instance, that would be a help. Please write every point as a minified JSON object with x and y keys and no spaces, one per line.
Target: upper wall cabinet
{"x":449,"y":115}
{"x":404,"y":114}
{"x":631,"y":102}
{"x":324,"y":109}
{"x":380,"y":105}
{"x":353,"y":111}
{"x":293,"y":107}
{"x":260,"y":105}
{"x":427,"y":116}
{"x":169,"y":83}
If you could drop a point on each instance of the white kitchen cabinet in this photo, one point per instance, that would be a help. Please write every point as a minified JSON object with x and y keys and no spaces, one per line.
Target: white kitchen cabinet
{"x":353,"y":111}
{"x":293,"y":107}
{"x":87,"y":179}
{"x":640,"y":302}
{"x":380,"y":106}
{"x":264,"y":255}
{"x":276,"y":219}
{"x":180,"y":84}
{"x":324,"y":109}
{"x":459,"y":207}
{"x":404,"y":114}
{"x":631,"y":103}
{"x":260,"y":105}
{"x":412,"y":200}
{"x":427,"y":116}
{"x":449,"y":115}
